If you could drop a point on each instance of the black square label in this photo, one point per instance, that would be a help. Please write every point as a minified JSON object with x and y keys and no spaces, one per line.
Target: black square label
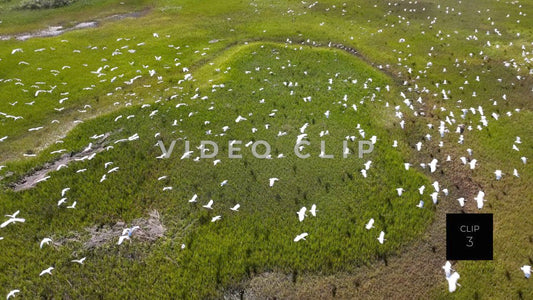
{"x":469,"y":237}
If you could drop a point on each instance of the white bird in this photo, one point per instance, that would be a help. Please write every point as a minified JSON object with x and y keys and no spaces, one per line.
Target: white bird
{"x":452,"y":281}
{"x":421,"y":189}
{"x":498,"y":174}
{"x":186,"y":154}
{"x":461,"y":201}
{"x":434,"y":197}
{"x":301,"y":214}
{"x":12,"y":294}
{"x":239,"y":119}
{"x":436,"y":186}
{"x":524,"y":159}
{"x":400,"y":191}
{"x":301,"y":237}
{"x":45,"y":241}
{"x":300,"y":138}
{"x":418,"y":146}
{"x":527,"y":270}
{"x":193,"y":199}
{"x":433,"y":165}
{"x":14,"y":215}
{"x":370,"y":224}
{"x":12,"y":220}
{"x":236,"y":207}
{"x":479,"y":199}
{"x":367,"y":164}
{"x":223,"y":183}
{"x":302,"y":129}
{"x":73,"y":205}
{"x":113,"y":170}
{"x":420,"y":204}
{"x":216,"y":218}
{"x":61,"y":201}
{"x":473,"y":164}
{"x":447,"y":268}
{"x":313,"y":210}
{"x":79,"y":261}
{"x":381,"y":237}
{"x":209,"y":204}
{"x":272,"y":181}
{"x":363,"y":172}
{"x":47,"y":271}
{"x":64,"y":191}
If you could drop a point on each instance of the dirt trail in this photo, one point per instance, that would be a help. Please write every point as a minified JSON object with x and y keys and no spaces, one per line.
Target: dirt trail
{"x":31,"y":180}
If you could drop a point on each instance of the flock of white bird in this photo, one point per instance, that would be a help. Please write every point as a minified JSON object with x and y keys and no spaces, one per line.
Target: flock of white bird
{"x":454,"y":127}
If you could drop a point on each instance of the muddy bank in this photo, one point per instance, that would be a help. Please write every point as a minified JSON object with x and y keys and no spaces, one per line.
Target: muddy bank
{"x":58,"y":30}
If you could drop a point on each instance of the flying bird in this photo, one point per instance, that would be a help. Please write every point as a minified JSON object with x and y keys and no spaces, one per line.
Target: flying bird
{"x":209,"y":204}
{"x":272,"y":181}
{"x":400,"y":191}
{"x":45,"y":241}
{"x":370,"y":224}
{"x":301,"y":214}
{"x":527,"y":270}
{"x":64,"y":191}
{"x":381,"y":237}
{"x":79,"y":261}
{"x":313,"y":210}
{"x":47,"y":271}
{"x":12,"y":294}
{"x":14,"y":215}
{"x":301,"y":237}
{"x":193,"y":199}
{"x":12,"y":220}
{"x":498,"y":174}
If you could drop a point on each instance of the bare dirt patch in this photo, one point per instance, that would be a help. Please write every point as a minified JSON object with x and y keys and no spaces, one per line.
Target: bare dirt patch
{"x":150,"y":230}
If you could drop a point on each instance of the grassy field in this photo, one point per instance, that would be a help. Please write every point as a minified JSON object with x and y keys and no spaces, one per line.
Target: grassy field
{"x":128,"y":76}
